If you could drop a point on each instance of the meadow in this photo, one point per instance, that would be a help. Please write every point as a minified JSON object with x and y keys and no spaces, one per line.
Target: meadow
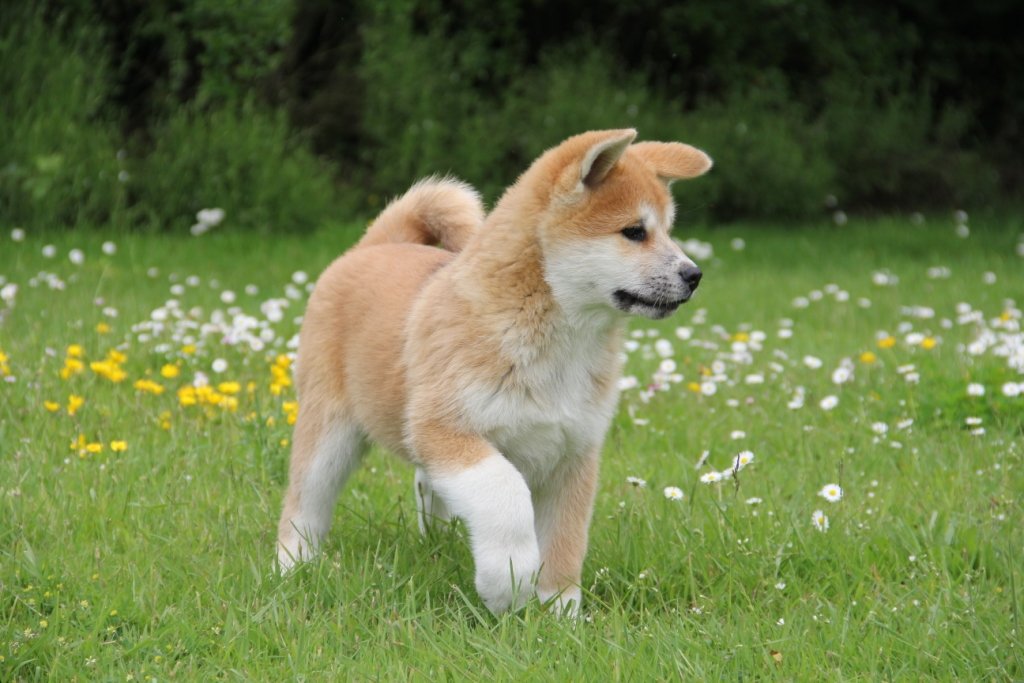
{"x":815,"y":472}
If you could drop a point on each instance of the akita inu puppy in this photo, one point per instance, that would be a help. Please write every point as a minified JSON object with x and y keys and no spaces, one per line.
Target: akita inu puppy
{"x":490,"y":362}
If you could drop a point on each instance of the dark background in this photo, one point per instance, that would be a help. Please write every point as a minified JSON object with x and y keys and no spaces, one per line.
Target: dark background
{"x":290,"y":113}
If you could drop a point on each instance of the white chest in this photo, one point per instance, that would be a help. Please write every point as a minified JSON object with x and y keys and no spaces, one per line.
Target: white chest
{"x":555,"y":407}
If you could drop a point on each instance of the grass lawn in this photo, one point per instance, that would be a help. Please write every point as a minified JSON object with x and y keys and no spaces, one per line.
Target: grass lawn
{"x":137,"y":534}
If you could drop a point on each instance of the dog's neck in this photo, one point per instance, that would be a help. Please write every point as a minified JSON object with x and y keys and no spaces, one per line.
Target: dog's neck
{"x":500,"y":274}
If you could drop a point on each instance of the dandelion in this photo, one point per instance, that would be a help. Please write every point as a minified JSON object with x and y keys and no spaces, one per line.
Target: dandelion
{"x":833,"y":493}
{"x":820,"y":520}
{"x":673,"y":493}
{"x":974,"y":389}
{"x":75,"y":402}
{"x":829,"y":402}
{"x":868,"y":358}
{"x":94,"y":447}
{"x":17,"y":235}
{"x":170,"y":371}
{"x":149,"y":386}
{"x":51,"y":406}
{"x":76,"y":256}
{"x":119,"y":446}
{"x":929,"y":343}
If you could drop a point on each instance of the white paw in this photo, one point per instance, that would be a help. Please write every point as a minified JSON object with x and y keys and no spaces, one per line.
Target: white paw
{"x":507,"y":580}
{"x":564,"y":603}
{"x":293,"y":551}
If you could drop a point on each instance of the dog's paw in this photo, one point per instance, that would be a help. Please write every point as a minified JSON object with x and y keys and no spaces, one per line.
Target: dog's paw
{"x":510,"y":582}
{"x":564,"y":603}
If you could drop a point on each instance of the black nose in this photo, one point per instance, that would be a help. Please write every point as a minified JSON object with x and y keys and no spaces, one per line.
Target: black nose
{"x":691,"y":276}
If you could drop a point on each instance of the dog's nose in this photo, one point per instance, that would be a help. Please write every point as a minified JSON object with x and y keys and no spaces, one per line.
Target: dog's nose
{"x":691,"y":276}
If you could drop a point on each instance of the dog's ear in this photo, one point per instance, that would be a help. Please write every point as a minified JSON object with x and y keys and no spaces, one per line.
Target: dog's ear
{"x":601,"y":156}
{"x":673,"y":160}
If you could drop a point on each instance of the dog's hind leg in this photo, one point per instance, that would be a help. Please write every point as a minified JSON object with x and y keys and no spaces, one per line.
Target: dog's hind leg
{"x":327,"y":449}
{"x":430,"y":507}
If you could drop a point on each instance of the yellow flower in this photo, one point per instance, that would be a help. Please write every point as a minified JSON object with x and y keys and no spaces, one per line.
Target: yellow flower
{"x":291,"y":411}
{"x":229,"y":387}
{"x":78,"y":443}
{"x":115,"y":356}
{"x":928,"y":343}
{"x":75,"y":351}
{"x":74,"y":403}
{"x":187,"y":396}
{"x":868,"y":357}
{"x":102,"y":328}
{"x":741,"y":337}
{"x":229,"y":403}
{"x":284,"y":443}
{"x":72,"y":366}
{"x":271,"y":421}
{"x":694,"y":387}
{"x":118,"y":446}
{"x":188,"y":349}
{"x":149,"y":386}
{"x":886,"y":342}
{"x":170,"y":371}
{"x":108,"y":369}
{"x":94,"y":447}
{"x":52,"y":406}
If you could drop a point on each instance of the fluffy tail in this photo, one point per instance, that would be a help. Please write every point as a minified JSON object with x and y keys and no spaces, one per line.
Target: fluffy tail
{"x":441,"y":211}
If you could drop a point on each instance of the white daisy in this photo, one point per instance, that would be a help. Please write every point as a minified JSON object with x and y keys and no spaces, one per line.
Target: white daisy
{"x":637,"y":482}
{"x":833,"y":493}
{"x":813,"y":362}
{"x":711,"y":477}
{"x":829,"y":402}
{"x":673,"y":493}
{"x":975,"y":389}
{"x":820,"y":520}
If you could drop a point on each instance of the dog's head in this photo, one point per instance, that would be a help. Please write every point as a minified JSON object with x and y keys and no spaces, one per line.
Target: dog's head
{"x":605,"y":229}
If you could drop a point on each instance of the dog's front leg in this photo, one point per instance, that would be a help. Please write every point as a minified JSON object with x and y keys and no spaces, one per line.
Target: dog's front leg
{"x":482,"y":488}
{"x":563,"y":508}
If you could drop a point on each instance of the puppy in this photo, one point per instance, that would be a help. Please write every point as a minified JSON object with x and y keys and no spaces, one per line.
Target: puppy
{"x":490,"y":362}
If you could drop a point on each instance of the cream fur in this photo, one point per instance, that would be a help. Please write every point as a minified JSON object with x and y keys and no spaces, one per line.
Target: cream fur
{"x":491,"y":364}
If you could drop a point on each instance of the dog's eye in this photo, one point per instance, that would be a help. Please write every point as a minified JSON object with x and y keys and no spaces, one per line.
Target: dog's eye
{"x":635,"y":233}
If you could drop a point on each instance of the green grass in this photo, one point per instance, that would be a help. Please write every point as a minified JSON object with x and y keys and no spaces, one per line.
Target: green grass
{"x":154,"y":563}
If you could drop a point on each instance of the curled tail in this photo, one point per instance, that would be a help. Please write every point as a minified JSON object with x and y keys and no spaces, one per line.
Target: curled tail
{"x":435,"y":210}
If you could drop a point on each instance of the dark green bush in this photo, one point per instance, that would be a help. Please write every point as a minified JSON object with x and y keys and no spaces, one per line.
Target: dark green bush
{"x":241,"y":159}
{"x":58,"y":157}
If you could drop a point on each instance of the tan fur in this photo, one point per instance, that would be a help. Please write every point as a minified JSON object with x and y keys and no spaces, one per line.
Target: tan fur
{"x":423,"y":349}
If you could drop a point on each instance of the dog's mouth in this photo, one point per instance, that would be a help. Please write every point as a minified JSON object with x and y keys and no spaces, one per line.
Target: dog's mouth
{"x":659,"y":307}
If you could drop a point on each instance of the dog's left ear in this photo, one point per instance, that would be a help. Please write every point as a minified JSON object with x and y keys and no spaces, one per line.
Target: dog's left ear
{"x":601,"y":157}
{"x":673,"y":160}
